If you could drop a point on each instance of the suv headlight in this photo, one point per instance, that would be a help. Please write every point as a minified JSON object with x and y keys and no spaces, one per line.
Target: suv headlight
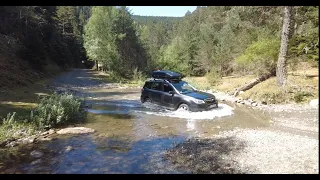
{"x":198,"y":101}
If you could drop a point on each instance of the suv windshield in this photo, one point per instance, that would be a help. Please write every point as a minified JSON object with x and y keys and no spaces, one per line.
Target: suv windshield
{"x":183,"y":87}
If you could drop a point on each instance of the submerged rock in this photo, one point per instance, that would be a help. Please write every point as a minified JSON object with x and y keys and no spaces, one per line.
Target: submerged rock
{"x":68,"y":148}
{"x":75,"y":130}
{"x":36,"y":154}
{"x":36,"y":162}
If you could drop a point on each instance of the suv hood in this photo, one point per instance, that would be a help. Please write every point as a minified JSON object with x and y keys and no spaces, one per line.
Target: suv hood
{"x":200,"y":95}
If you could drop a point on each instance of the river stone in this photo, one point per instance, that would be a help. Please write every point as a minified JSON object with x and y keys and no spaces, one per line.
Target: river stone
{"x":44,"y":139}
{"x":248,"y":103}
{"x":68,"y":148}
{"x":314,"y":102}
{"x":51,"y":131}
{"x":35,"y":162}
{"x":27,"y":140}
{"x":36,"y":154}
{"x":44,"y":133}
{"x":75,"y":130}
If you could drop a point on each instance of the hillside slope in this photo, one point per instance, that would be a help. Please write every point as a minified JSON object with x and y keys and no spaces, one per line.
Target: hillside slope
{"x":13,"y":70}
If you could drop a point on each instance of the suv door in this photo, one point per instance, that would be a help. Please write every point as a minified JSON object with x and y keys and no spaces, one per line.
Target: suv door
{"x":166,"y":98}
{"x":155,"y":92}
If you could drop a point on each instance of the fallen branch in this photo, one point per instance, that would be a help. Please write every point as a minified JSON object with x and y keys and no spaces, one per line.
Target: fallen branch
{"x":254,"y":82}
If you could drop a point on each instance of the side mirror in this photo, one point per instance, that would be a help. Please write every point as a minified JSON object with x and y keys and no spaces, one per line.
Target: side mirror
{"x":171,"y":92}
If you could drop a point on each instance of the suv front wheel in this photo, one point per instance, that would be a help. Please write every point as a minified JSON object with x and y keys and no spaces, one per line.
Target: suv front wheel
{"x":184,"y":107}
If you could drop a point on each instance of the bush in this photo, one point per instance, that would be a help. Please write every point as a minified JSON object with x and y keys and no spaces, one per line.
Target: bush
{"x":138,"y":77}
{"x":277,"y":97}
{"x":213,"y":77}
{"x":55,"y":110}
{"x":301,"y":96}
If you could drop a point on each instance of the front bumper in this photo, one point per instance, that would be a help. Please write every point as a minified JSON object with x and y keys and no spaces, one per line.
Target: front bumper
{"x":203,"y":107}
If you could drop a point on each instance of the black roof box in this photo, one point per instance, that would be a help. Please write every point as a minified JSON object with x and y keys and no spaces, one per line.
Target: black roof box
{"x":165,"y":74}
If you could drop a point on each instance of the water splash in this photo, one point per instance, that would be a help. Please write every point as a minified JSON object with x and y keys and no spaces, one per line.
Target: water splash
{"x":222,"y":110}
{"x":130,"y":107}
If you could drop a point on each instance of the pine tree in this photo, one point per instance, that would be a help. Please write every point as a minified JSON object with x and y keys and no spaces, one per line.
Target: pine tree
{"x":282,"y":60}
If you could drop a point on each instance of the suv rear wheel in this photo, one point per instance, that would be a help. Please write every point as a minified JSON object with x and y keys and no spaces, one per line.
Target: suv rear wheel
{"x":147,"y":100}
{"x":184,"y":107}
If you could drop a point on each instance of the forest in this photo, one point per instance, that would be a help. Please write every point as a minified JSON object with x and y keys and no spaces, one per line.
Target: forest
{"x":212,"y":41}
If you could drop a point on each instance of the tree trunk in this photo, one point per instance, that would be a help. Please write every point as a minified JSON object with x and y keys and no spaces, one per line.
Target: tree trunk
{"x":254,"y":82}
{"x":97,"y":68}
{"x":282,"y":61}
{"x":63,"y":28}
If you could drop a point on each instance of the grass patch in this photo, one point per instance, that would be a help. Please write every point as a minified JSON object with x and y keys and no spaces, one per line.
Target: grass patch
{"x":23,"y":99}
{"x":52,"y":111}
{"x":229,"y":84}
{"x":298,"y":90}
{"x":302,"y":87}
{"x":15,"y":127}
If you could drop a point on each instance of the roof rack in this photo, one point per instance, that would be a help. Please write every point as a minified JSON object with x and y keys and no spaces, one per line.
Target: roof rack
{"x":159,"y":79}
{"x":167,"y":75}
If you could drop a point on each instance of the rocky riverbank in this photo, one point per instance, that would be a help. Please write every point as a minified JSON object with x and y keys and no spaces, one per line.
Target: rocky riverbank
{"x":289,"y":146}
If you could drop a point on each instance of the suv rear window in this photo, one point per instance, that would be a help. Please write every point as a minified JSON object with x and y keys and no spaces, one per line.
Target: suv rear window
{"x":147,"y":85}
{"x":156,"y":86}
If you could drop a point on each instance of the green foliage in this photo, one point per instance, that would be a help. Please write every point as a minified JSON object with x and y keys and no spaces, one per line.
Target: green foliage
{"x":9,"y":120}
{"x":301,"y":96}
{"x":261,"y":56}
{"x":145,"y":20}
{"x":213,"y":76}
{"x":217,"y":36}
{"x":273,"y":97}
{"x":13,"y":127}
{"x":304,"y":44}
{"x":174,"y":57}
{"x":46,"y":32}
{"x":56,"y":110}
{"x":111,"y":38}
{"x":138,"y":76}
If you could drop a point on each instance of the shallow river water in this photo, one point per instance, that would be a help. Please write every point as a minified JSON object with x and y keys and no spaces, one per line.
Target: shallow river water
{"x":129,"y":137}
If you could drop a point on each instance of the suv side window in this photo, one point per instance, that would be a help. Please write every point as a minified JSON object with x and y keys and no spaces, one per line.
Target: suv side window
{"x":156,"y":86}
{"x":167,"y":87}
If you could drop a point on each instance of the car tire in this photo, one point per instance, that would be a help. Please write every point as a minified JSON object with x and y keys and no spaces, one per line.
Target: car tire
{"x":147,"y":100}
{"x":184,"y":106}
